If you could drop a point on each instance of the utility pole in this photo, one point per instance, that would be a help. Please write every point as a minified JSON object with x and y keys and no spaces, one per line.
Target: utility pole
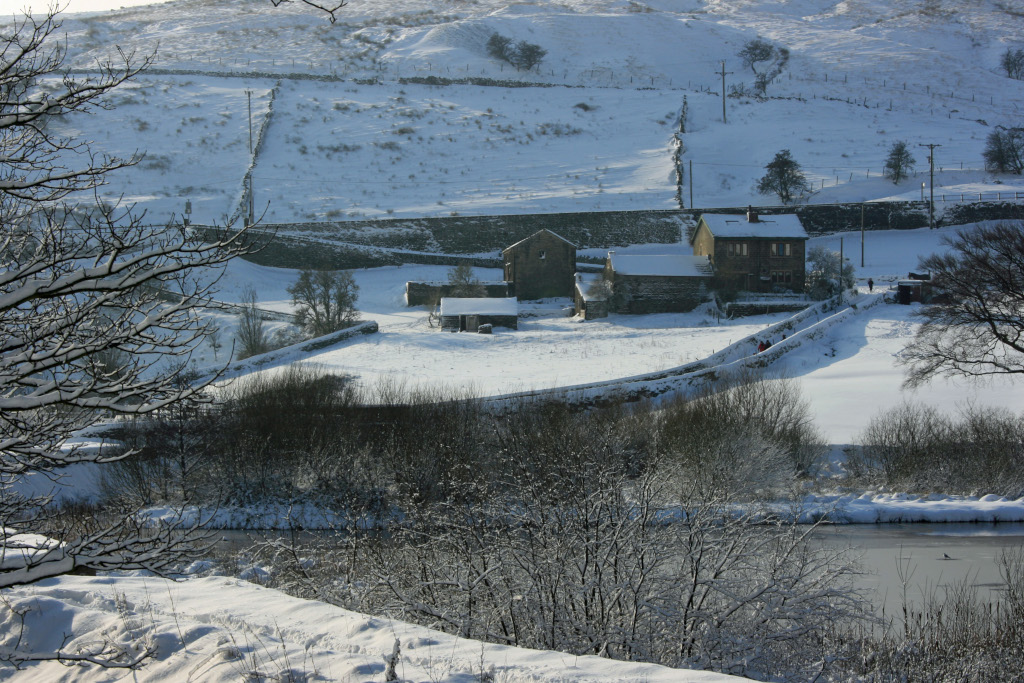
{"x":841,"y":263}
{"x":861,"y":235}
{"x":248,"y":96}
{"x":931,"y":182}
{"x":724,"y":73}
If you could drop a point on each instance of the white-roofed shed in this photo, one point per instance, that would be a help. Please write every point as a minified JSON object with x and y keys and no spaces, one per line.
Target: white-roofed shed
{"x":463,"y":314}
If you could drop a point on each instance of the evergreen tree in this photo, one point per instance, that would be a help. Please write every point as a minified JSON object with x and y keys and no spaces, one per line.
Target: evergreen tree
{"x":899,"y":163}
{"x":783,"y":178}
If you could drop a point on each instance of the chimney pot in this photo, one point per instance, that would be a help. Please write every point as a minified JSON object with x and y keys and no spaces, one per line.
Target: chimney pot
{"x":752,"y":215}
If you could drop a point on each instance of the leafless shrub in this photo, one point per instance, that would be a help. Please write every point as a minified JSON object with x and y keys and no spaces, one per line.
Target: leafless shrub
{"x":251,"y":334}
{"x":770,"y":417}
{"x":917,"y":447}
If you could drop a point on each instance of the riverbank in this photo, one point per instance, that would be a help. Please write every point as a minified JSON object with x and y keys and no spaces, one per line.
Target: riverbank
{"x":868,"y":507}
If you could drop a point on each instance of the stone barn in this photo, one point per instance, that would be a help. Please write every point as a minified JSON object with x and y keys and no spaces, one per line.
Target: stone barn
{"x":541,"y":266}
{"x":753,"y":253}
{"x":467,"y":315}
{"x":657,"y":283}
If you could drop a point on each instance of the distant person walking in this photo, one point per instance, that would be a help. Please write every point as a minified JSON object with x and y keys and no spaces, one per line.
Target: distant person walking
{"x":871,"y":285}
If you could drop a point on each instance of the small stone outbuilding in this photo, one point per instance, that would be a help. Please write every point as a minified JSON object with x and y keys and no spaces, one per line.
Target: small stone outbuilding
{"x":467,"y":315}
{"x":541,"y":266}
{"x":753,"y":253}
{"x":657,"y":283}
{"x":592,"y":296}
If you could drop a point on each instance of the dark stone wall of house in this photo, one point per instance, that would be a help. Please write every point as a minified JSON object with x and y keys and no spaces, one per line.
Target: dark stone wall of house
{"x":429,"y":293}
{"x":652,"y":294}
{"x":452,"y":322}
{"x":734,"y":273}
{"x":540,"y":267}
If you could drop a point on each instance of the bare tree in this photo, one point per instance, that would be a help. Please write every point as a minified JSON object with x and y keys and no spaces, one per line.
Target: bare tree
{"x":1004,"y":151}
{"x":330,"y":7}
{"x":1012,"y":62}
{"x":99,"y":313}
{"x":325,"y":301}
{"x":773,"y":57}
{"x":251,"y":333}
{"x":974,"y":328}
{"x":464,"y":283}
{"x":899,"y":163}
{"x":826,"y":276}
{"x":527,"y":55}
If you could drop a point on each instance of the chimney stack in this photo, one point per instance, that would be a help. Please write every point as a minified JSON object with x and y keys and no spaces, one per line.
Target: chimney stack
{"x":752,"y":215}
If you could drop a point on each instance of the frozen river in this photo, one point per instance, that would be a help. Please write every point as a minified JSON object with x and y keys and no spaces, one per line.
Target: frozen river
{"x":932,"y":557}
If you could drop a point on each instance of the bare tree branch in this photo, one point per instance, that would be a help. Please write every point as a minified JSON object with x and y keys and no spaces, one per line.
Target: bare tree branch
{"x":329,"y":7}
{"x":976,"y":327}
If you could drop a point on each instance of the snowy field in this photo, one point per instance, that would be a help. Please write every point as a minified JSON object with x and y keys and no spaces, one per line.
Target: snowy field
{"x":358,"y":143}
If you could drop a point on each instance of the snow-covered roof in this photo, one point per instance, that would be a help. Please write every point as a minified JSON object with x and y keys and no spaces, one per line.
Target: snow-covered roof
{"x":732,"y":225}
{"x":584,"y":283}
{"x":661,"y":265}
{"x":525,"y":239}
{"x":479,"y":306}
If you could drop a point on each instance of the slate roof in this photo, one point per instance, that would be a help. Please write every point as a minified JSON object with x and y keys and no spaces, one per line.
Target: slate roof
{"x":661,"y":265}
{"x":786,"y":226}
{"x":526,"y":239}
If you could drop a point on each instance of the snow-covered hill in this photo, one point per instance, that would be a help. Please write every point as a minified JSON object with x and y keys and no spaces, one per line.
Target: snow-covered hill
{"x":356,"y":141}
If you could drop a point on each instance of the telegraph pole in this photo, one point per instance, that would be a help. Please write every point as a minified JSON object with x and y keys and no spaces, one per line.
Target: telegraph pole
{"x":861,"y":235}
{"x":842,"y":262}
{"x":724,"y":73}
{"x":931,"y":183}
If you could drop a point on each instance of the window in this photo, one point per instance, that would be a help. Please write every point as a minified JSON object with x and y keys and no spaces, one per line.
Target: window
{"x":782,"y":277}
{"x":542,"y":254}
{"x":737,"y":249}
{"x":782,"y":249}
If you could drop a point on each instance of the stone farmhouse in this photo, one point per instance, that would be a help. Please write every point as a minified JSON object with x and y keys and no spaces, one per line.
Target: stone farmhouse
{"x":541,"y":266}
{"x":753,"y":253}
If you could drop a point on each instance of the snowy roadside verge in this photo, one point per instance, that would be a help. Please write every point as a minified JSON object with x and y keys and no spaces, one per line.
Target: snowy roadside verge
{"x":289,"y":354}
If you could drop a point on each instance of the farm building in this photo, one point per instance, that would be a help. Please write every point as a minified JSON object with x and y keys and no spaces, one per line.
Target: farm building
{"x":592,"y":296}
{"x":458,"y":314}
{"x":753,"y":253}
{"x":541,"y":266}
{"x":657,"y":283}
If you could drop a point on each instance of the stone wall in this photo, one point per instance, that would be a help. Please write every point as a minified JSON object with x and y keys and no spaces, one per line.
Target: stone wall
{"x":430,"y":293}
{"x":652,"y":294}
{"x":372,"y":243}
{"x":743,"y":308}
